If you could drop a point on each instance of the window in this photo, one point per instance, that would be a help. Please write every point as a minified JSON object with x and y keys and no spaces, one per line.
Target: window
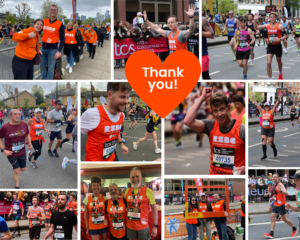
{"x":278,"y":84}
{"x":252,"y":1}
{"x":257,"y":1}
{"x":246,"y":1}
{"x":95,"y":99}
{"x":290,"y":84}
{"x":262,"y":84}
{"x":241,"y":1}
{"x":297,"y":84}
{"x":60,"y":98}
{"x":262,"y":2}
{"x":294,"y":84}
{"x":255,"y":83}
{"x":274,"y":84}
{"x":164,"y":10}
{"x":268,"y":83}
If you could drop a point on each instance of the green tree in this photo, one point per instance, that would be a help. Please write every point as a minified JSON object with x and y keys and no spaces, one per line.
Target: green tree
{"x":89,"y":20}
{"x":106,"y":20}
{"x":27,"y":21}
{"x":292,"y":4}
{"x":26,"y":101}
{"x":83,"y":89}
{"x":258,"y":96}
{"x":11,"y":18}
{"x":37,"y":88}
{"x":39,"y":98}
{"x":1,"y":103}
{"x":45,"y":10}
{"x":225,"y":5}
{"x":23,"y":10}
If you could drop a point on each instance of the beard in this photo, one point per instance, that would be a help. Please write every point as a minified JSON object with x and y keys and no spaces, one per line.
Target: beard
{"x":61,"y":206}
{"x":136,"y":185}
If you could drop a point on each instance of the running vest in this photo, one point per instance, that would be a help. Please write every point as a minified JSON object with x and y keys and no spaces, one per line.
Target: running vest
{"x":251,"y":27}
{"x":293,"y":111}
{"x":202,"y":206}
{"x":240,"y":117}
{"x":72,"y":206}
{"x":51,"y":31}
{"x":137,"y":217}
{"x":280,"y":198}
{"x":36,"y":130}
{"x":242,"y":213}
{"x":175,"y":44}
{"x":285,"y":25}
{"x":17,"y":210}
{"x":218,"y":206}
{"x":70,"y":37}
{"x":243,"y":39}
{"x":272,"y":33}
{"x":48,"y":211}
{"x":226,"y":149}
{"x":267,"y":120}
{"x":117,"y":219}
{"x":83,"y":36}
{"x":96,"y":215}
{"x":192,"y":220}
{"x":297,"y":29}
{"x":231,"y":26}
{"x":35,"y":221}
{"x":102,"y":141}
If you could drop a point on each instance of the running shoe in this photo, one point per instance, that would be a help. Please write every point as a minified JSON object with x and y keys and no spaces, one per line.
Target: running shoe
{"x":268,"y":235}
{"x":33,"y":164}
{"x":275,"y":152}
{"x":234,"y":59}
{"x":285,"y":51}
{"x":135,"y":146}
{"x":19,"y":234}
{"x":200,"y":144}
{"x":156,"y":128}
{"x":295,"y":232}
{"x":29,"y":156}
{"x":50,"y":153}
{"x":280,"y":76}
{"x":179,"y":146}
{"x":64,"y":163}
{"x":278,"y":219}
{"x":68,"y":66}
{"x":74,"y":63}
{"x":245,"y":77}
{"x":124,"y":141}
{"x":55,"y":153}
{"x":158,"y":150}
{"x":13,"y":235}
{"x":298,"y":50}
{"x":70,"y":70}
{"x":251,"y":64}
{"x":263,"y":158}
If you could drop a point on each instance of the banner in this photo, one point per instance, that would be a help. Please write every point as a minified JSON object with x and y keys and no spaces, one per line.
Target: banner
{"x":74,"y":11}
{"x":270,"y":8}
{"x":284,"y":91}
{"x":219,"y":29}
{"x":69,"y":106}
{"x":124,"y":48}
{"x":199,"y":183}
{"x":258,"y":191}
{"x":193,"y":40}
{"x":6,"y":206}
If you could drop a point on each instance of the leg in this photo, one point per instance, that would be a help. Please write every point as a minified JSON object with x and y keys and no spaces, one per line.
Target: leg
{"x":240,"y":63}
{"x":58,"y":143}
{"x":189,"y":230}
{"x":50,"y":144}
{"x":232,"y":45}
{"x":245,"y":63}
{"x":44,"y":63}
{"x":264,"y":144}
{"x":195,"y":233}
{"x":68,"y":137}
{"x":38,"y":149}
{"x":154,"y":139}
{"x":285,"y":43}
{"x":208,"y":229}
{"x":134,"y":123}
{"x":96,"y":237}
{"x":219,"y":230}
{"x":287,"y":221}
{"x":146,"y":137}
{"x":17,"y":176}
{"x":103,"y":236}
{"x":71,"y":57}
{"x":279,"y":64}
{"x":269,"y":64}
{"x":51,"y":63}
{"x":252,"y":53}
{"x":201,"y":236}
{"x":272,"y":218}
{"x":224,"y":232}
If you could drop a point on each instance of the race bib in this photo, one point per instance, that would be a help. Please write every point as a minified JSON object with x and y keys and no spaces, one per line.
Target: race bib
{"x":47,"y":213}
{"x":16,"y":207}
{"x":272,"y":36}
{"x":59,"y":232}
{"x":99,"y":219}
{"x":134,"y":216}
{"x":38,"y":132}
{"x":35,"y":222}
{"x":223,"y":157}
{"x":57,"y":125}
{"x":278,"y":201}
{"x":243,"y":44}
{"x":117,"y":224}
{"x":109,"y":148}
{"x":266,"y":123}
{"x":17,"y":147}
{"x":15,"y":212}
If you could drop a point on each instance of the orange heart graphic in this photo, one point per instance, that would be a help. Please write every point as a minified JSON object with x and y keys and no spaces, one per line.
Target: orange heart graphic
{"x":163,"y":86}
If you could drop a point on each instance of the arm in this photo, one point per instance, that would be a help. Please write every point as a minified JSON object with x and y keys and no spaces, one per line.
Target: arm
{"x":293,"y":208}
{"x":29,"y":141}
{"x":20,"y":36}
{"x":209,"y":32}
{"x":261,"y":27}
{"x":42,"y":218}
{"x":190,"y":118}
{"x":29,"y":122}
{"x":282,"y":189}
{"x":251,"y":36}
{"x":256,"y":104}
{"x":276,"y":104}
{"x":281,"y":28}
{"x":61,"y":39}
{"x":153,"y":26}
{"x":155,"y":219}
{"x":86,"y":217}
{"x":225,"y":26}
{"x":7,"y":235}
{"x":122,"y":144}
{"x":190,"y":14}
{"x":50,"y":231}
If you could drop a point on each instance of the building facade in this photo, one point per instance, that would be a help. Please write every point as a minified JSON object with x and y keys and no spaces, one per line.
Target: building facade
{"x":63,"y":95}
{"x":258,"y":6}
{"x":281,"y":172}
{"x":17,"y":99}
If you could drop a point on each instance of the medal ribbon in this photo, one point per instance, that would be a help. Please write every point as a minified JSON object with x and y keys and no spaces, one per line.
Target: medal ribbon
{"x":95,"y":207}
{"x":115,"y":210}
{"x":136,"y":200}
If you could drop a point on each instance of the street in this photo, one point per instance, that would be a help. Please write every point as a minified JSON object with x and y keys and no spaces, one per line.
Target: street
{"x":189,"y":160}
{"x":49,"y":173}
{"x":145,"y":151}
{"x":286,"y":141}
{"x":222,"y":65}
{"x":261,"y":224}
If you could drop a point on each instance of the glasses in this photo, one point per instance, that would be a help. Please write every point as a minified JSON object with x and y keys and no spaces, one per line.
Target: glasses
{"x":53,"y":10}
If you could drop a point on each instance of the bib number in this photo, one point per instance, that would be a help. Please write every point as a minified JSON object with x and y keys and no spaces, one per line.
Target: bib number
{"x":117,"y":224}
{"x":35,"y":222}
{"x":99,"y":219}
{"x":38,"y":132}
{"x":272,"y":36}
{"x":59,"y":232}
{"x":134,"y":216}
{"x":266,"y":123}
{"x":17,"y":147}
{"x":57,"y":125}
{"x":15,"y":212}
{"x":109,"y":148}
{"x":223,"y":157}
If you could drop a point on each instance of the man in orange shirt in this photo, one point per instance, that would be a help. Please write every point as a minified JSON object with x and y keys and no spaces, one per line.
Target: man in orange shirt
{"x":177,"y":39}
{"x":219,"y":205}
{"x":72,"y":204}
{"x":53,"y":32}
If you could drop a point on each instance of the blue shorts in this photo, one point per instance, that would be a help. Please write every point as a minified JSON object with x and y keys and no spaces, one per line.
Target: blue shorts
{"x":272,"y":203}
{"x":99,"y":231}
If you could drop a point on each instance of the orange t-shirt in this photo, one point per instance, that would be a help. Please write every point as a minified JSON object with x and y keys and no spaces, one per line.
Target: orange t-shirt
{"x":27,"y":47}
{"x":272,"y":33}
{"x":240,"y":117}
{"x":175,"y":44}
{"x":70,"y":37}
{"x":91,"y":38}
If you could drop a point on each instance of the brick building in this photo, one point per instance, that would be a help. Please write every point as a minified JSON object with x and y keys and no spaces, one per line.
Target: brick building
{"x":63,"y":95}
{"x":17,"y":99}
{"x":254,"y":6}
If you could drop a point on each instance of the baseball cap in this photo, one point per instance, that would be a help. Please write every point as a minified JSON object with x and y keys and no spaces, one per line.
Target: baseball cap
{"x":202,"y":194}
{"x":58,"y":102}
{"x":139,"y":14}
{"x":37,"y":110}
{"x":296,"y":176}
{"x":266,"y":104}
{"x":269,"y":182}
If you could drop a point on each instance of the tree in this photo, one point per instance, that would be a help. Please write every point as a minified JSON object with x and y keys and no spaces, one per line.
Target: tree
{"x":258,"y":96}
{"x":45,"y":10}
{"x":292,"y":4}
{"x":27,"y":21}
{"x":11,"y":18}
{"x":106,"y":20}
{"x":225,"y":5}
{"x":39,"y":98}
{"x":37,"y":88}
{"x":23,"y":10}
{"x":7,"y":88}
{"x":1,"y":3}
{"x":89,"y":20}
{"x":26,"y":101}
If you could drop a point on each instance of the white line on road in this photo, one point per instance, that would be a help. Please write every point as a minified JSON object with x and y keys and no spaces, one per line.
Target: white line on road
{"x":282,"y":155}
{"x":285,"y":67}
{"x":227,"y":53}
{"x":218,"y":55}
{"x":264,"y":76}
{"x":184,"y":156}
{"x":296,"y":147}
{"x":291,"y":151}
{"x":254,"y":165}
{"x":294,"y":60}
{"x":214,"y":72}
{"x":292,"y":134}
{"x":175,"y":159}
{"x":272,"y":160}
{"x":254,"y":145}
{"x":291,"y":63}
{"x":196,"y":154}
{"x":275,"y":71}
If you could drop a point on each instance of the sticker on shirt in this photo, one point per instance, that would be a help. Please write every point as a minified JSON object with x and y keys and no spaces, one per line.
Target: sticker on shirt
{"x":97,"y":218}
{"x":17,"y":147}
{"x":59,"y":232}
{"x":109,"y":148}
{"x":134,"y":214}
{"x":117,"y":224}
{"x":144,"y":221}
{"x":223,"y":157}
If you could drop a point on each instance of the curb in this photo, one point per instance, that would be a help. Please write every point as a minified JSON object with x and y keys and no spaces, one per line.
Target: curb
{"x":258,"y":213}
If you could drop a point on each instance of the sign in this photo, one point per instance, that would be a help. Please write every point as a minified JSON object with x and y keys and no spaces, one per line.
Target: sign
{"x":291,"y":191}
{"x":193,"y":40}
{"x":125,"y":47}
{"x":74,"y":11}
{"x":230,"y":183}
{"x":284,"y":91}
{"x":252,"y":108}
{"x":6,"y":206}
{"x":257,"y":191}
{"x":199,"y":183}
{"x":270,"y":9}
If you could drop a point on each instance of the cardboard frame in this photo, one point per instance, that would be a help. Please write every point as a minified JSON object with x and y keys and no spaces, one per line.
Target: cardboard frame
{"x":206,"y":214}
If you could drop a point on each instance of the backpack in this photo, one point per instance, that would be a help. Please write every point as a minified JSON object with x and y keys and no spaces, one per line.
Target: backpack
{"x":230,"y":233}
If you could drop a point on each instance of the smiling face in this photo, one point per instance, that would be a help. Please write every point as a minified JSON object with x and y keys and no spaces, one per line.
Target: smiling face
{"x":53,"y":11}
{"x":119,"y":99}
{"x":136,"y":178}
{"x":172,"y":23}
{"x":114,"y":192}
{"x":220,"y":113}
{"x":38,"y":26}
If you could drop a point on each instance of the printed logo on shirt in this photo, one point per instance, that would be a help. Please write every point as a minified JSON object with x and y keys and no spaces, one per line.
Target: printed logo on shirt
{"x":112,"y":136}
{"x":49,"y":28}
{"x":224,"y":139}
{"x":112,"y":128}
{"x":18,"y":133}
{"x":130,"y":197}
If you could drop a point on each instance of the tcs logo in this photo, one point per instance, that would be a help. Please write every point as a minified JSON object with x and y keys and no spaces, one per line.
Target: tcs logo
{"x":224,"y":139}
{"x":112,"y":128}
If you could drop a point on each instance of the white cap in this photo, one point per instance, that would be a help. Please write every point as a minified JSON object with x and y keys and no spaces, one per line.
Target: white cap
{"x":37,"y":110}
{"x":202,"y":194}
{"x":266,"y":104}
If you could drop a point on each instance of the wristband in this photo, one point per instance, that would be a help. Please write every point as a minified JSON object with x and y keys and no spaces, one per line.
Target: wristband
{"x":191,"y":17}
{"x":155,"y":226}
{"x":120,"y":143}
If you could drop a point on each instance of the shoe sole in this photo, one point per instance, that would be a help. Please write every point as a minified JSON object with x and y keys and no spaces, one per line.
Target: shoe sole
{"x":295,"y":233}
{"x":269,"y":237}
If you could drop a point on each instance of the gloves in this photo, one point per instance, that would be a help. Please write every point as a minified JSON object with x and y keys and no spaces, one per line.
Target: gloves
{"x":57,"y":121}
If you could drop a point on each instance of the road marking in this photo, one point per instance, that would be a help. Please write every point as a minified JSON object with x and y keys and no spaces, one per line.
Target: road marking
{"x":184,"y":156}
{"x":294,"y":60}
{"x":214,"y":72}
{"x":254,"y":145}
{"x":282,"y":155}
{"x":264,"y":223}
{"x":218,"y":55}
{"x":139,"y":138}
{"x":196,"y":154}
{"x":291,"y":63}
{"x":291,"y":151}
{"x":272,"y":160}
{"x":264,"y":76}
{"x":254,"y":165}
{"x":227,"y":53}
{"x":285,"y":67}
{"x":275,"y":71}
{"x":175,"y":159}
{"x":292,"y":134}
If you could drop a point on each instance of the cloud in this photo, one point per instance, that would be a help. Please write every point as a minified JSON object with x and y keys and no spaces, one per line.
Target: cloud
{"x":101,"y":86}
{"x":88,"y":8}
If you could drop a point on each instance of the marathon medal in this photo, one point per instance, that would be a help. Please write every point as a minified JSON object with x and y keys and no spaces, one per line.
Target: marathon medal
{"x":95,"y":207}
{"x":136,"y":210}
{"x":115,"y":210}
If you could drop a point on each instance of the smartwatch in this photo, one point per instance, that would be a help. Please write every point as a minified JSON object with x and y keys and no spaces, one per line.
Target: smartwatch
{"x":155,"y":226}
{"x":2,"y":150}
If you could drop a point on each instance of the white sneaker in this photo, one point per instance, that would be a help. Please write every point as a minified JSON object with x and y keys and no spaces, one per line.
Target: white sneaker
{"x":68,"y":66}
{"x":158,"y":150}
{"x":251,"y":64}
{"x":285,"y":51}
{"x":295,"y":41}
{"x":81,"y":56}
{"x":70,"y":70}
{"x":74,"y":63}
{"x":135,"y":146}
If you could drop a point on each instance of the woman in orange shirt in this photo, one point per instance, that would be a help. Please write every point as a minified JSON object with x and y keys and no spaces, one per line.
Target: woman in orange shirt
{"x":26,"y":50}
{"x":71,"y":46}
{"x":91,"y":37}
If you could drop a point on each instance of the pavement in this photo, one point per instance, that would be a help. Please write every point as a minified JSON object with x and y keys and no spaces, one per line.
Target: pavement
{"x":119,"y":74}
{"x":218,"y":39}
{"x":145,"y":152}
{"x":49,"y":173}
{"x":286,"y":141}
{"x":261,"y":224}
{"x":222,"y":65}
{"x":98,"y":68}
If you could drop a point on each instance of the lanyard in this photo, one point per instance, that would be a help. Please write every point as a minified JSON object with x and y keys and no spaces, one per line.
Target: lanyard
{"x":115,"y":210}
{"x":136,"y":200}
{"x":95,"y":207}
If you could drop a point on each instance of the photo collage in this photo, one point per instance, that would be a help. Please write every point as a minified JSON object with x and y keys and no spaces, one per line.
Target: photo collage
{"x":112,"y":126}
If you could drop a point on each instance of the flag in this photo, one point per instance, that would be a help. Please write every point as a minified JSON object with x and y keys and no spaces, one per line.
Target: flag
{"x":86,"y":102}
{"x":53,"y":103}
{"x":74,"y":10}
{"x":199,"y":183}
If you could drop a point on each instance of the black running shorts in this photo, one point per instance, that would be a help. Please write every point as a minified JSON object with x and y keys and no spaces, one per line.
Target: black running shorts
{"x":269,"y":132}
{"x":275,"y":49}
{"x":281,"y":210}
{"x":240,"y":55}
